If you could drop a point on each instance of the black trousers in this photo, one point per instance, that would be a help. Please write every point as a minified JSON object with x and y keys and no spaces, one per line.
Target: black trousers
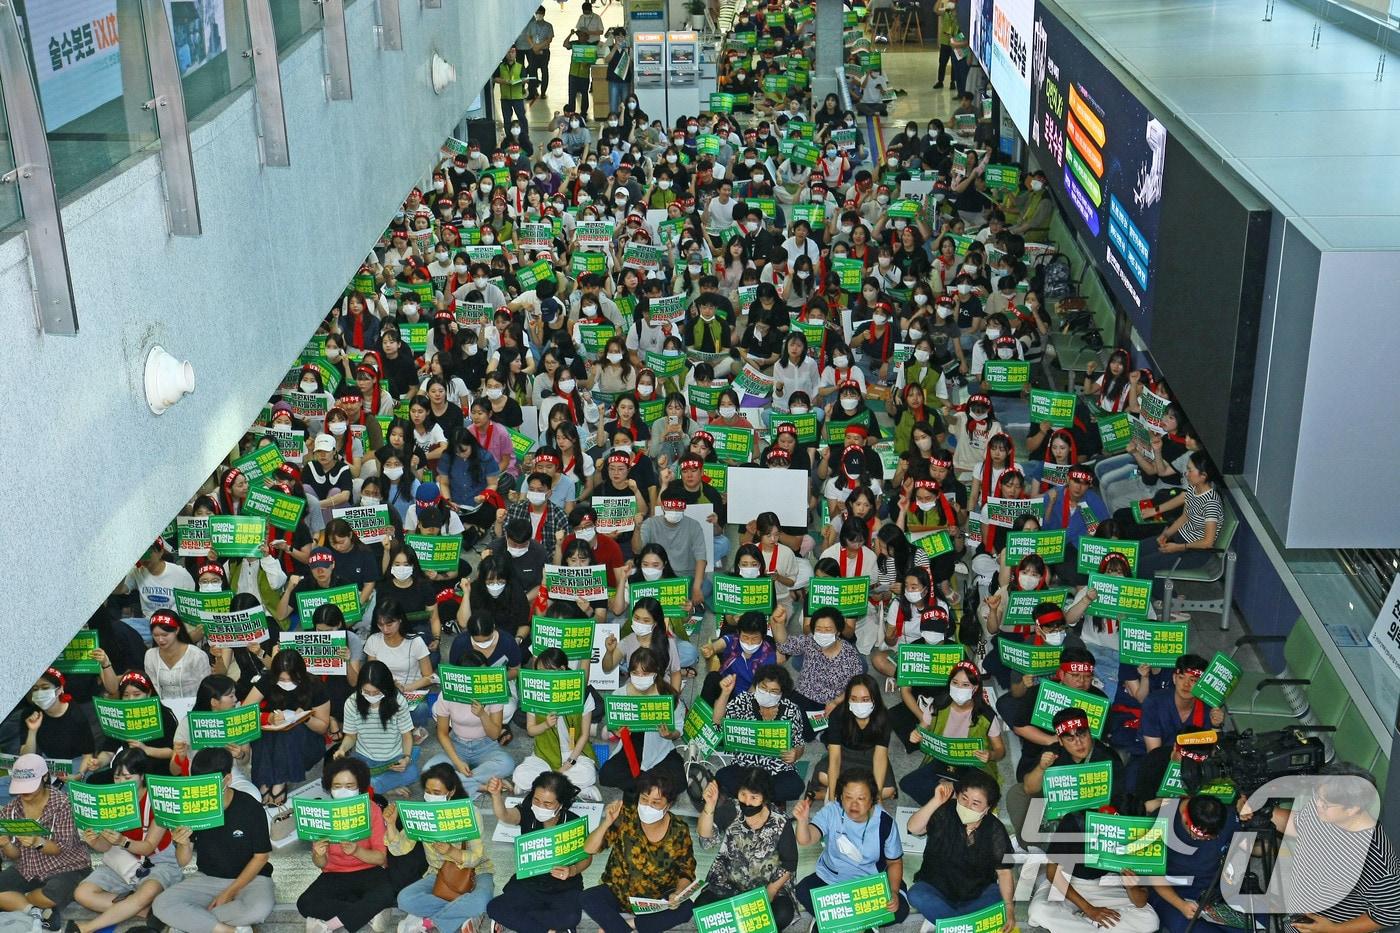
{"x":537,"y":73}
{"x":521,"y":907}
{"x":945,"y":60}
{"x":353,"y":896}
{"x":615,"y":772}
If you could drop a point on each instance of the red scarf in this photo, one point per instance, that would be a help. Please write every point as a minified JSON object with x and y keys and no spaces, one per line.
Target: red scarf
{"x":860,"y":560}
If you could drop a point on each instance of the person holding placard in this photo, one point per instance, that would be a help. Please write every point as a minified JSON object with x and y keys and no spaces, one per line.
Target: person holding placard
{"x":1074,"y":745}
{"x":54,"y":726}
{"x":742,"y":653}
{"x":1198,"y":836}
{"x":217,"y":693}
{"x":758,"y":849}
{"x":857,"y":737}
{"x":1168,"y":713}
{"x":117,"y":890}
{"x":915,"y":616}
{"x":859,"y":839}
{"x":650,"y":858}
{"x":46,"y":865}
{"x":683,"y":539}
{"x":406,"y":657}
{"x":650,"y":629}
{"x":422,"y":900}
{"x":768,"y":701}
{"x":549,"y":901}
{"x":1076,"y":671}
{"x":828,"y":661}
{"x":656,"y":749}
{"x":378,"y":732}
{"x":978,"y":876}
{"x":470,"y":733}
{"x":134,"y":685}
{"x":232,"y":888}
{"x":1077,"y":508}
{"x":563,"y":743}
{"x":353,"y":887}
{"x":296,"y":718}
{"x":1075,"y":898}
{"x":959,"y":711}
{"x":1030,"y":574}
{"x":174,"y":666}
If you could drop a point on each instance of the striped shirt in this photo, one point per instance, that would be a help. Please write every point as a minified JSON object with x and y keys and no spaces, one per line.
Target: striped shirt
{"x":374,"y":741}
{"x":1201,"y":507}
{"x":1342,"y":874}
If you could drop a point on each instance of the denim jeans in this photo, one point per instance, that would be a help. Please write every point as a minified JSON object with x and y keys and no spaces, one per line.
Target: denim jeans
{"x":418,"y":899}
{"x":390,"y":780}
{"x":484,"y":756}
{"x":422,"y":715}
{"x":930,"y":901}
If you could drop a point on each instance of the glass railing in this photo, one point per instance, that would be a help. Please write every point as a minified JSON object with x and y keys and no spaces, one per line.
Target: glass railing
{"x":9,"y":194}
{"x":212,"y":51}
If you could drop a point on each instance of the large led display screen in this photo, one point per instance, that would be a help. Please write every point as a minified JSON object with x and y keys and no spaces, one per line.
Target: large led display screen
{"x":999,"y":33}
{"x":1105,"y":155}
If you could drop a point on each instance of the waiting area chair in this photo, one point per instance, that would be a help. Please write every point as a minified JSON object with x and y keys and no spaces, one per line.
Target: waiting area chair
{"x":1221,"y":569}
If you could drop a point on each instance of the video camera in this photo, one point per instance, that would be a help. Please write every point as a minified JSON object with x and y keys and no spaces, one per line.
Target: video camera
{"x":1250,"y":761}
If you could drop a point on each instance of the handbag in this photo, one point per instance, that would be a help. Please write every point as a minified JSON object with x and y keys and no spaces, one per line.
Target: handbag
{"x":123,"y":863}
{"x":453,"y":881}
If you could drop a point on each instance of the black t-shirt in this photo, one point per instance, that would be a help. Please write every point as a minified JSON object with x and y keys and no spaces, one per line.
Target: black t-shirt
{"x":324,"y":483}
{"x":862,"y":739}
{"x":1067,"y":841}
{"x":704,"y":494}
{"x":528,"y":568}
{"x":1017,"y":712}
{"x":962,"y":867}
{"x":509,"y":416}
{"x":413,"y":599}
{"x":358,"y":566}
{"x":279,"y":699}
{"x":224,"y":851}
{"x":66,"y":736}
{"x":1101,"y":752}
{"x":450,"y":420}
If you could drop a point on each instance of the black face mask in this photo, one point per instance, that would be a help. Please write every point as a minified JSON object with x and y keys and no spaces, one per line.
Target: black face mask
{"x":750,"y":809}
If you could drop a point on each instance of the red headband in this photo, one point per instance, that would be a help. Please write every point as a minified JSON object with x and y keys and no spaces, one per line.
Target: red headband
{"x":673,"y":504}
{"x":55,"y":675}
{"x":1076,"y":667}
{"x":968,"y":668}
{"x":1050,"y":617}
{"x":1073,"y":724}
{"x":136,"y":677}
{"x":164,"y":618}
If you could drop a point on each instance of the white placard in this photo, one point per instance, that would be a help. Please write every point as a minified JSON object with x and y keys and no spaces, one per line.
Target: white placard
{"x":753,"y":490}
{"x":1385,"y":634}
{"x":598,"y":678}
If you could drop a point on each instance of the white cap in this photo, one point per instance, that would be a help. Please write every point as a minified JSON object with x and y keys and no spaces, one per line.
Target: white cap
{"x":324,"y":442}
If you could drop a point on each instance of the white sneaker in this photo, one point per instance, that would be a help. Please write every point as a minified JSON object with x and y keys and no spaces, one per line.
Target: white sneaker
{"x":315,"y":926}
{"x":591,"y":793}
{"x":928,"y":927}
{"x":410,"y":924}
{"x":380,"y":923}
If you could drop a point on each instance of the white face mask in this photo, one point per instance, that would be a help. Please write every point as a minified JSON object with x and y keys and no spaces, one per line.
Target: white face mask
{"x":469,"y":349}
{"x":435,"y":798}
{"x":824,"y":639}
{"x":308,"y":385}
{"x":799,"y":409}
{"x":482,"y":646}
{"x":401,"y":571}
{"x":343,"y":793}
{"x":567,"y":385}
{"x":993,"y":333}
{"x":369,"y":500}
{"x":44,"y":699}
{"x":337,"y":427}
{"x":643,"y":681}
{"x":654,"y":573}
{"x":914,"y":596}
{"x":649,"y":815}
{"x":727,"y":411}
{"x":496,"y":589}
{"x":1028,"y":581}
{"x":1005,"y":353}
{"x":210,"y":587}
{"x":921,"y":356}
{"x":879,"y":319}
{"x":749,"y":573}
{"x":373,"y":699}
{"x":645,"y":391}
{"x":1055,"y":638}
{"x":288,"y":686}
{"x":841,"y":362}
{"x":517,"y":551}
{"x":964,"y":289}
{"x":586,"y":534}
{"x":614,"y":357}
{"x":493,"y":393}
{"x":914,"y":332}
{"x":542,"y":814}
{"x":849,"y":404}
{"x":1037,"y":184}
{"x":673,"y":516}
{"x":536,"y":497}
{"x":962,"y":695}
{"x":642,"y":629}
{"x":933,"y":637}
{"x":944,"y":311}
{"x":393,"y":474}
{"x":862,"y":710}
{"x":766,"y":699}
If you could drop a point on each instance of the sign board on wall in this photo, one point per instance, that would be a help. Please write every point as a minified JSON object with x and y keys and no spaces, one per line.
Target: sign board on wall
{"x":77,"y":57}
{"x":1105,"y":155}
{"x":1009,"y":67}
{"x":1385,"y":634}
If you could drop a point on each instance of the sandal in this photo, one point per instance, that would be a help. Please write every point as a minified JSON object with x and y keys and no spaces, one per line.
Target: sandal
{"x":278,"y":797}
{"x":506,"y":737}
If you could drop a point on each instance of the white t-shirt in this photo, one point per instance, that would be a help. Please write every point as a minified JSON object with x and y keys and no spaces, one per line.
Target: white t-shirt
{"x":402,"y":660}
{"x":158,"y":592}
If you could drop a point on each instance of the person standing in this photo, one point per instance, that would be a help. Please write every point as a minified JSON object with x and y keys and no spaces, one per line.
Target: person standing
{"x":510,"y":88}
{"x":534,"y":45}
{"x":619,"y":57}
{"x":947,"y":12}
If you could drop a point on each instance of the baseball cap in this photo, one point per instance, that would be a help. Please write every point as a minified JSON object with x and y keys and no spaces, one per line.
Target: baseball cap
{"x":322,"y":557}
{"x":27,"y":773}
{"x":324,"y":442}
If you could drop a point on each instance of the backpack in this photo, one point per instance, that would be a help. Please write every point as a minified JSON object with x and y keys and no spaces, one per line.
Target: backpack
{"x":1056,"y":278}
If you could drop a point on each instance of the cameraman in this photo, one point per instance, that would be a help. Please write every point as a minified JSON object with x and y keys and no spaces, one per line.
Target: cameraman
{"x":1343,"y":874}
{"x":1201,"y":830}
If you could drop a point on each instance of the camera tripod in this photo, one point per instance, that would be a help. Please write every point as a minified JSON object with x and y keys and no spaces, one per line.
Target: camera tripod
{"x":1266,"y":839}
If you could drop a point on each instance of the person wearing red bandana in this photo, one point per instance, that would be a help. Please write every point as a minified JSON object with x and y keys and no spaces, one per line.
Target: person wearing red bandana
{"x":972,"y":425}
{"x":1077,"y":508}
{"x":54,"y":727}
{"x":1076,"y":671}
{"x":1168,"y":713}
{"x":1150,"y":791}
{"x":1071,"y":743}
{"x":548,"y":522}
{"x":693,"y":489}
{"x":1075,"y":898}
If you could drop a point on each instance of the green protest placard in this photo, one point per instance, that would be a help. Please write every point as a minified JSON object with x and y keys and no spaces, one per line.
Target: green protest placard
{"x":369,"y":522}
{"x":522,"y":443}
{"x":1004,"y":512}
{"x":699,"y":728}
{"x":105,"y":806}
{"x":616,"y":514}
{"x":644,"y":257}
{"x":949,"y":750}
{"x":805,"y":423}
{"x":595,"y":233}
{"x":639,"y":713}
{"x":484,"y":685}
{"x":737,"y":595}
{"x":217,"y":728}
{"x":1119,"y":597}
{"x":1054,"y":407}
{"x":344,"y":820}
{"x":196,"y":608}
{"x":1173,"y":786}
{"x":835,"y":428}
{"x":924,"y":665}
{"x":436,"y":552}
{"x":347,"y":597}
{"x":814,"y":214}
{"x":1113,"y":842}
{"x":440,"y":821}
{"x":705,"y":398}
{"x":77,"y":655}
{"x":721,"y":103}
{"x":237,"y":535}
{"x":733,"y":445}
{"x":1050,"y":545}
{"x":581,"y":263}
{"x":717,"y":475}
{"x":24,"y":828}
{"x":933,"y":543}
{"x":129,"y":720}
{"x":752,"y":382}
{"x":574,"y":637}
{"x":757,"y":736}
{"x":1217,"y":681}
{"x":1092,"y":551}
{"x":538,"y":852}
{"x":280,"y":510}
{"x":193,"y":802}
{"x":584,"y":53}
{"x":595,"y":337}
{"x":673,"y":593}
{"x":1114,"y":432}
{"x":849,"y":273}
{"x":572,"y":583}
{"x":849,"y":596}
{"x":1021,"y":603}
{"x":1026,"y":658}
{"x":747,"y":913}
{"x":534,"y":274}
{"x":415,"y":334}
{"x":987,"y":920}
{"x":1005,"y":375}
{"x":664,"y":366}
{"x":193,"y":534}
{"x":259,"y":463}
{"x":1054,"y":696}
{"x":323,"y":652}
{"x":1069,"y":788}
{"x":545,"y":692}
{"x":850,"y":906}
{"x":1158,"y":644}
{"x":236,"y":629}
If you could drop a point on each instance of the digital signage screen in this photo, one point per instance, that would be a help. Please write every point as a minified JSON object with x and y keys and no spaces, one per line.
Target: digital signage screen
{"x":999,"y":33}
{"x":1105,"y":155}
